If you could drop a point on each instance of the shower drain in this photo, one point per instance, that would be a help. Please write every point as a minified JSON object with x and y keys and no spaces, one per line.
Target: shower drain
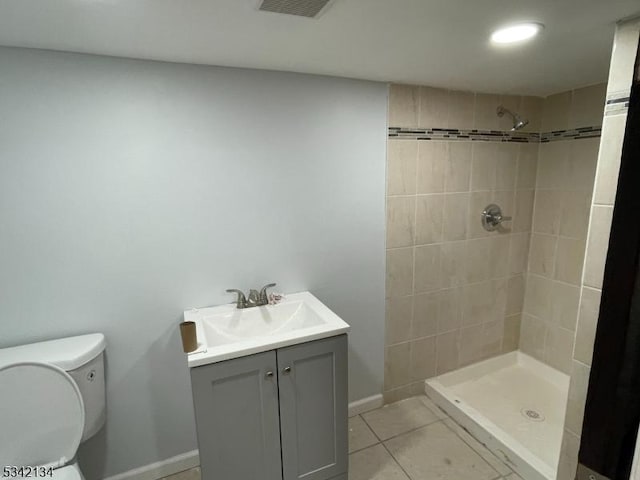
{"x":532,"y":415}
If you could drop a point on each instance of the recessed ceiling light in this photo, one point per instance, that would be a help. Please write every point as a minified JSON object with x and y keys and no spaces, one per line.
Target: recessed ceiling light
{"x":516,"y":33}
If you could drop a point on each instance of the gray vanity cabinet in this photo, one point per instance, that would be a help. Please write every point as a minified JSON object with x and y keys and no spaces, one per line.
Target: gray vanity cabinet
{"x":278,"y":415}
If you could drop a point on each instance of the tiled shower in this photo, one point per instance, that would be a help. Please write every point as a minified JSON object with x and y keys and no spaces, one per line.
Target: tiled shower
{"x":457,"y":294}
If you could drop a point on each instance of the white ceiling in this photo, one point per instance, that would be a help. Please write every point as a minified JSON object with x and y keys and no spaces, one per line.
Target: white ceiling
{"x":432,"y":42}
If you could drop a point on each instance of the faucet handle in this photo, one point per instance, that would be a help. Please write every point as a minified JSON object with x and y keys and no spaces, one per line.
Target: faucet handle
{"x":264,"y":298}
{"x":241,"y":302}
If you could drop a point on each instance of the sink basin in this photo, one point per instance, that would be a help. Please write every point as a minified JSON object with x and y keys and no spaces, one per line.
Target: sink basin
{"x":225,"y":332}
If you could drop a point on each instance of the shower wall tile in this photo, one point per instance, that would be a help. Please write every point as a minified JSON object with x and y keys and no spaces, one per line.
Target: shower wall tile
{"x":587,"y":106}
{"x":432,"y":163}
{"x":401,"y":213}
{"x":598,"y":244}
{"x":401,"y":167}
{"x":568,"y":456}
{"x":403,"y":105}
{"x":555,"y":114}
{"x":531,"y":108}
{"x":434,"y":108}
{"x":569,"y":260}
{"x":587,"y":322}
{"x":577,"y":397}
{"x":455,"y":291}
{"x":542,"y":254}
{"x":558,"y":348}
{"x":609,"y":159}
{"x":565,"y":299}
{"x":533,"y":332}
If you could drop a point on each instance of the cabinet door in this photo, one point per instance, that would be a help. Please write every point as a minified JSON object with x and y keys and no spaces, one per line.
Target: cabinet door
{"x":236,"y":405}
{"x":312,"y":379}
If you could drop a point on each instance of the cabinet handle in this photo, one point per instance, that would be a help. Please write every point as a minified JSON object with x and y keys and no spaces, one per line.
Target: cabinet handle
{"x":286,"y":370}
{"x":269,"y":374}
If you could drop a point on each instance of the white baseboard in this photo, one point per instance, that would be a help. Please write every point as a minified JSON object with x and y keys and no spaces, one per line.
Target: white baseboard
{"x":157,"y":470}
{"x":365,"y":404}
{"x":185,"y":461}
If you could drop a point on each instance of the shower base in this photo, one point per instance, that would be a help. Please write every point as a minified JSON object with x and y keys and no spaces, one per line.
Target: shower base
{"x":513,"y":404}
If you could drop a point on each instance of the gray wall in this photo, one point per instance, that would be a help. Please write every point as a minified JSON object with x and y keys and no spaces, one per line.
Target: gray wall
{"x":132,"y":190}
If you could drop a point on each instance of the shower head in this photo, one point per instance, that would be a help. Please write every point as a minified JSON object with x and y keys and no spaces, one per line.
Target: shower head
{"x":518,"y":121}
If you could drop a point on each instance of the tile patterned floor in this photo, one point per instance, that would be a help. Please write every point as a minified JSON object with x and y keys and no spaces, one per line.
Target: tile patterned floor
{"x":411,"y":440}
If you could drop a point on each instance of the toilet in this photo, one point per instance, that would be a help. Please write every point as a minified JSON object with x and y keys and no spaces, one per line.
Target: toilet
{"x":52,"y":399}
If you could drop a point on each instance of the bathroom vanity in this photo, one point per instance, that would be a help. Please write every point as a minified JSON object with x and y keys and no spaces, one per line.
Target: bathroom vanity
{"x":270,"y":391}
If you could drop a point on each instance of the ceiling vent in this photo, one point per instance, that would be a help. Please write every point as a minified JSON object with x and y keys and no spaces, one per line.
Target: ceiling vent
{"x":301,"y":8}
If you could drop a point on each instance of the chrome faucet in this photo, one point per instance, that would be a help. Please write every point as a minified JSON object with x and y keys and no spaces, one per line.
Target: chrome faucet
{"x":255,"y":299}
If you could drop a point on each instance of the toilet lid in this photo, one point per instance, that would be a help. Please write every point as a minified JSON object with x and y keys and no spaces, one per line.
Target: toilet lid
{"x":41,"y":414}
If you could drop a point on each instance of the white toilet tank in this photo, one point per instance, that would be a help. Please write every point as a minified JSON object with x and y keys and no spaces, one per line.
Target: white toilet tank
{"x":82,"y":357}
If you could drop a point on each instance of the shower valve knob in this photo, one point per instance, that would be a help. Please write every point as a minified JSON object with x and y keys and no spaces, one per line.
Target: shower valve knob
{"x":492,"y":217}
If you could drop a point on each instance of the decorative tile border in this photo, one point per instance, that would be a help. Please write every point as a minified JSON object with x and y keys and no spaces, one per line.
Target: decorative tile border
{"x":452,"y":134}
{"x":576,"y":133}
{"x":617,"y":103}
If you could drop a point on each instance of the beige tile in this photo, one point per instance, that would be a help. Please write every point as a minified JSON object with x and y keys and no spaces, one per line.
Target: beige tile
{"x":515,"y":294}
{"x":403,"y":106}
{"x":191,"y":474}
{"x":499,"y":255}
{"x":449,"y":310}
{"x":527,"y":165}
{"x":569,"y":260}
{"x":506,"y":200}
{"x":564,"y":305}
{"x":587,"y":323}
{"x":568,"y":456}
{"x":506,"y":166}
{"x":577,"y":397}
{"x":453,"y":268}
{"x":401,"y":393}
{"x":587,"y":106}
{"x":399,"y":280}
{"x":511,"y":335}
{"x":523,"y":211}
{"x":478,"y":201}
{"x":458,"y":169}
{"x":449,"y":457}
{"x":398,"y":418}
{"x":531,"y":109}
{"x":427,"y":268}
{"x":574,"y":214}
{"x":546,"y":213}
{"x":555,"y":114}
{"x":432,"y":162}
{"x":434,"y":107}
{"x":477,"y":447}
{"x":511,"y":102}
{"x":558,"y":348}
{"x":483,"y":166}
{"x":598,"y":244}
{"x":360,"y":435}
{"x":492,"y":333}
{"x":542,"y":254}
{"x":447,"y":348}
{"x":429,"y":218}
{"x":402,"y":164}
{"x":461,"y":106}
{"x":456,"y":211}
{"x":478,"y":303}
{"x":513,"y":476}
{"x":553,"y":164}
{"x":471,"y":343}
{"x":486,"y":116}
{"x":518,"y":253}
{"x":422,"y":363}
{"x":625,"y":49}
{"x":532,"y":336}
{"x":399,"y":312}
{"x":581,"y":166}
{"x":478,"y":256}
{"x":401,"y":213}
{"x":374,"y":463}
{"x":537,"y":296}
{"x":609,"y":157}
{"x":396,"y":366}
{"x":425,"y":314}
